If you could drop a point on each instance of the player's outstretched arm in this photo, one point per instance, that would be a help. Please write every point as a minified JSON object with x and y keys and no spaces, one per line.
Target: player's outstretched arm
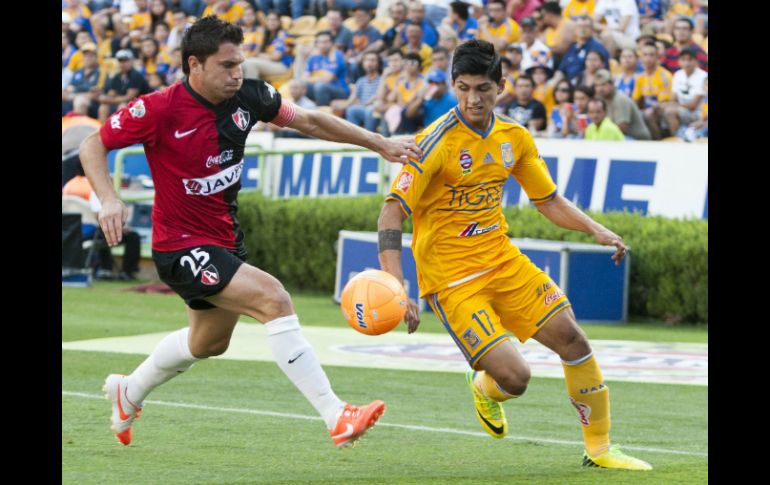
{"x":329,"y":127}
{"x":113,"y":214}
{"x":389,"y":245}
{"x":565,"y":214}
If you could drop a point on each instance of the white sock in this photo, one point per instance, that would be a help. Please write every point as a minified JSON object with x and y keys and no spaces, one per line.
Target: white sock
{"x":170,"y":358}
{"x":296,"y":358}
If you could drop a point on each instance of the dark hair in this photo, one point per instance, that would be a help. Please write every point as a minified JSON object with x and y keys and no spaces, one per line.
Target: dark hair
{"x":599,"y":100}
{"x":501,"y":2}
{"x":204,"y":37}
{"x":570,"y":89}
{"x":507,"y":62}
{"x":441,"y":50}
{"x":587,"y":90}
{"x":164,"y":24}
{"x":551,"y":7}
{"x":413,"y":56}
{"x":477,"y":57}
{"x":154,"y":42}
{"x":461,"y":9}
{"x":685,"y":19}
{"x":394,"y":50}
{"x":154,"y":19}
{"x":646,"y":38}
{"x":648,"y":44}
{"x":270,"y":36}
{"x":524,"y":77}
{"x":379,"y":62}
{"x":325,"y":32}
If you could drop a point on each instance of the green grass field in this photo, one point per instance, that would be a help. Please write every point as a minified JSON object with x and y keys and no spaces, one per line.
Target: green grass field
{"x":243,"y":422}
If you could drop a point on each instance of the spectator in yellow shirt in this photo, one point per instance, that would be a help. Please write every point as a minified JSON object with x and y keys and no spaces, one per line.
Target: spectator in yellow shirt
{"x":652,"y":87}
{"x":601,"y":127}
{"x":415,"y":44}
{"x":500,"y":30}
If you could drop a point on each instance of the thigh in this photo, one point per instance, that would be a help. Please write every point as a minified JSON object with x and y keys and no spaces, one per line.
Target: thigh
{"x":525,"y":297}
{"x":255,"y":293}
{"x":198,"y":272}
{"x":469,"y":318}
{"x":564,"y":336}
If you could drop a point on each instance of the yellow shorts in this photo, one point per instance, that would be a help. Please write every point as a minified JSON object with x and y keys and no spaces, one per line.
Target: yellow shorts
{"x":517,"y":296}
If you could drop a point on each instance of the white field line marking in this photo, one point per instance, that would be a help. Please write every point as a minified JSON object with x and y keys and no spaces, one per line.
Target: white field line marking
{"x":389,"y":425}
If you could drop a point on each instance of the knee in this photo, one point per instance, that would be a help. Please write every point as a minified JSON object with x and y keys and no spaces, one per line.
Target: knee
{"x":514,"y":381}
{"x":575,"y":344}
{"x":276,"y":303}
{"x":204,"y":350}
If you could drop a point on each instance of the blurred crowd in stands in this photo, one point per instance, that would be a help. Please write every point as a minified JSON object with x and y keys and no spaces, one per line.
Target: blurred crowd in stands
{"x":578,"y":69}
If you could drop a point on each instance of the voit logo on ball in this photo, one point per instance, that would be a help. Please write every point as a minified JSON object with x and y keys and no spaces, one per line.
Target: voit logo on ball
{"x":360,"y":315}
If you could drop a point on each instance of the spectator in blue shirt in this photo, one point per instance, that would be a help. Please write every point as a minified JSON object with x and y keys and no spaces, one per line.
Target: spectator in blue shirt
{"x":466,"y":26}
{"x":360,"y":106}
{"x":430,"y":103}
{"x":81,"y":93}
{"x":392,"y":36}
{"x":573,"y":63}
{"x":325,"y":72}
{"x":365,"y":39}
{"x":417,"y":16}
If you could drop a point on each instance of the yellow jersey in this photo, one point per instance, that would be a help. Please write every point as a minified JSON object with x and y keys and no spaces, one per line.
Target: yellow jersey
{"x":508,"y":31}
{"x":425,"y":53}
{"x":577,"y":8}
{"x":233,"y":14}
{"x":654,"y":88}
{"x":454,"y":194}
{"x":408,"y":90}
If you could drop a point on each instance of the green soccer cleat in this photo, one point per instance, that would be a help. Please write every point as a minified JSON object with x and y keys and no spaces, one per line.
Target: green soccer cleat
{"x":489,"y":413}
{"x":614,"y":458}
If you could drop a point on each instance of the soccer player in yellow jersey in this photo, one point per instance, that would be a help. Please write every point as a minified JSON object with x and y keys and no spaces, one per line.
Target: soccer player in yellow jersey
{"x":477,"y":282}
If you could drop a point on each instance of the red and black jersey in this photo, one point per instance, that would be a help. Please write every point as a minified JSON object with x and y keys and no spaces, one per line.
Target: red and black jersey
{"x":195,"y":153}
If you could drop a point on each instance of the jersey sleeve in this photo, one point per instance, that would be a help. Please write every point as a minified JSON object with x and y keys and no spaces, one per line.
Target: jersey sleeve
{"x":263,"y":99}
{"x":136,"y":123}
{"x":531,"y":171}
{"x":415,"y":176}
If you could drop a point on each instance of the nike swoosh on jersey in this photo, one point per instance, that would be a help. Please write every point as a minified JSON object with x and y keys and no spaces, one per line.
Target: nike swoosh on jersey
{"x":497,"y":430}
{"x":183,"y":134}
{"x":346,"y":433}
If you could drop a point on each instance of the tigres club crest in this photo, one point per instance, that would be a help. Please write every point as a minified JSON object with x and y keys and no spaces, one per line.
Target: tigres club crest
{"x":465,"y":161}
{"x":241,"y":119}
{"x":506,"y":151}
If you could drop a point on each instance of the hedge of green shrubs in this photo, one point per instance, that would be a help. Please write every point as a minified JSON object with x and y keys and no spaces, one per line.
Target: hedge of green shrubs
{"x":294,"y":239}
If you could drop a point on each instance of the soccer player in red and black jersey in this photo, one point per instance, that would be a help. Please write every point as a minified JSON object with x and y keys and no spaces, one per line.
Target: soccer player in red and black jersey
{"x":194,"y":134}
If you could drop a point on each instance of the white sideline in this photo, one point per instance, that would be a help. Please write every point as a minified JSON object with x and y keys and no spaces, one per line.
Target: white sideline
{"x":389,"y":425}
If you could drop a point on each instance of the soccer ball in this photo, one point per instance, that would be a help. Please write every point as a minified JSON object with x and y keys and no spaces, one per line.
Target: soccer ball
{"x":373,"y":302}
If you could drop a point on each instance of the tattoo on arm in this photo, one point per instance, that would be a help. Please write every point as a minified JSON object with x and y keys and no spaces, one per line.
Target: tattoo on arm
{"x":389,"y":239}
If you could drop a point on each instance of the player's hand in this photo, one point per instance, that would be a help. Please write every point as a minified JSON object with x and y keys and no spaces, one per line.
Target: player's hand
{"x":606,"y":237}
{"x":112,"y":218}
{"x":400,"y":149}
{"x":412,"y":316}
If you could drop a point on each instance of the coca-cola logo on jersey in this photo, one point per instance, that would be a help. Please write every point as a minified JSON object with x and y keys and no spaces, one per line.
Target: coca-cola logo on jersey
{"x":215,"y":183}
{"x":223,"y":157}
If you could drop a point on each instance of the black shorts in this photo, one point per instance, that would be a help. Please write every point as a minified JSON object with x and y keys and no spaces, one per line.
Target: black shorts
{"x":198,"y":272}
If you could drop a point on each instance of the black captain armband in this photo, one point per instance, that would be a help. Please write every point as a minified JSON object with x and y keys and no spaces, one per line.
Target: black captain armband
{"x":389,"y":239}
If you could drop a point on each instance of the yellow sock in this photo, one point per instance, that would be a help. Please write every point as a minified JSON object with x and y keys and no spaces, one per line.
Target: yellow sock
{"x":591,"y":398}
{"x":488,"y":387}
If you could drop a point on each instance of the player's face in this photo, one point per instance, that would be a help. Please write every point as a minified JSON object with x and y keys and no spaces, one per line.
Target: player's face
{"x":476,"y":97}
{"x":221,"y":76}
